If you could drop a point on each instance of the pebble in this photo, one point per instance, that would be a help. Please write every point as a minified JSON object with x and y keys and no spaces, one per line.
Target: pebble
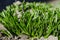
{"x":42,"y":38}
{"x":51,"y":38}
{"x":55,"y":38}
{"x":2,"y":27}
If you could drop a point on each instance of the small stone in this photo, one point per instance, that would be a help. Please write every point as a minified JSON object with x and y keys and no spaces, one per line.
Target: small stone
{"x":56,"y":38}
{"x":3,"y":38}
{"x":42,"y":38}
{"x":50,"y":37}
{"x":2,"y":27}
{"x":16,"y":37}
{"x":23,"y":36}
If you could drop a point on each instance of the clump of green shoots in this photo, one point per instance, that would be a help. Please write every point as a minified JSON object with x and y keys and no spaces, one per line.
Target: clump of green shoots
{"x":38,"y":19}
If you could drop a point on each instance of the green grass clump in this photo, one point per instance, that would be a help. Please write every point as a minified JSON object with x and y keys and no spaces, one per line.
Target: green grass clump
{"x":33,"y":19}
{"x":5,"y":33}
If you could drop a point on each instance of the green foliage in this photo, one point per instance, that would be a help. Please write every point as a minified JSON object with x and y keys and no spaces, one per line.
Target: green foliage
{"x":35,"y":19}
{"x":5,"y":33}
